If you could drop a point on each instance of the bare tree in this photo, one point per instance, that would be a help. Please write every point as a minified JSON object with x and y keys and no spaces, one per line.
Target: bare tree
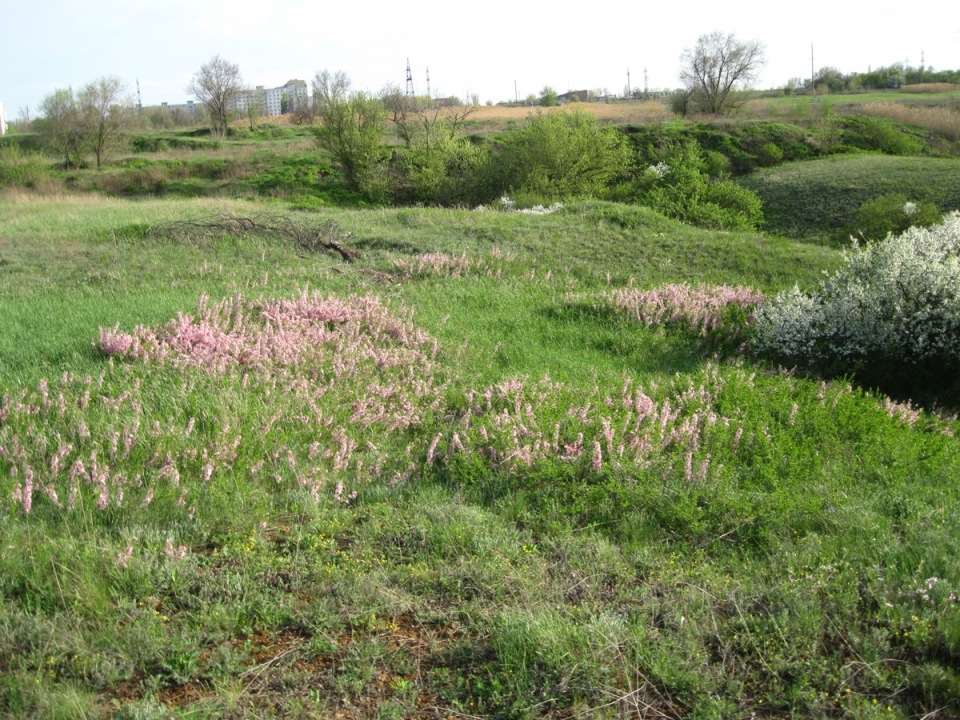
{"x":329,"y":89}
{"x":104,"y":112}
{"x":717,"y":68}
{"x":420,"y":118}
{"x":217,"y":85}
{"x":253,"y":100}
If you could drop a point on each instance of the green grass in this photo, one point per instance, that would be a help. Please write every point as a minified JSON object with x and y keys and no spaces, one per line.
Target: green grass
{"x":818,"y":199}
{"x":763,"y":544}
{"x":805,"y":108}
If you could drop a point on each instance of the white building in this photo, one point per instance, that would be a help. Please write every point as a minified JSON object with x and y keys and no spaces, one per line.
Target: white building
{"x":189,"y":107}
{"x":270,"y":100}
{"x":3,"y":120}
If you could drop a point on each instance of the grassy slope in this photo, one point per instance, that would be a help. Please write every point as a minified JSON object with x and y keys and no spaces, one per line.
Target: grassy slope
{"x":789,"y":570}
{"x":817,"y":198}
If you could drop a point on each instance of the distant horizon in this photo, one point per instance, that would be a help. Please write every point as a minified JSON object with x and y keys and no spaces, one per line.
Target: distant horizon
{"x":500,"y":52}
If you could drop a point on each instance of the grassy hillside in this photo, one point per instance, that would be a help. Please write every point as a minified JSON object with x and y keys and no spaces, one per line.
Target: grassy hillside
{"x":454,"y":482}
{"x":819,"y":198}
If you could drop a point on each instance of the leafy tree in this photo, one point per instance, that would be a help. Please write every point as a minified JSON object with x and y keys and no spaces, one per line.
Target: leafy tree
{"x":217,"y":84}
{"x":60,"y":123}
{"x":549,"y":97}
{"x":104,"y":113}
{"x":352,"y":125}
{"x":830,"y":78}
{"x":717,"y":67}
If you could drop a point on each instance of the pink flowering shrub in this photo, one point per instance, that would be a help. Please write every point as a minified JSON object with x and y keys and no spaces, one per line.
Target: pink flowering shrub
{"x":720,"y":312}
{"x":517,"y":425}
{"x":320,"y":392}
{"x":445,"y":265}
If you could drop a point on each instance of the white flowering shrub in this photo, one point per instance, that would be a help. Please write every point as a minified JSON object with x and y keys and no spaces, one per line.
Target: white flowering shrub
{"x":892,"y":312}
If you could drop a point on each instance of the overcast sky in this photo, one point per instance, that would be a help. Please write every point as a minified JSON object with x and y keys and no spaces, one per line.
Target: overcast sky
{"x":480,"y":48}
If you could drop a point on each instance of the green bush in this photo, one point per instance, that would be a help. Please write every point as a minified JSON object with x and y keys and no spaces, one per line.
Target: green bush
{"x":351,"y":130}
{"x":891,"y":316}
{"x":893,"y":213}
{"x":740,"y":208}
{"x":716,"y":164}
{"x":879,"y":133}
{"x":558,"y":156}
{"x":678,"y":186}
{"x":769,"y":154}
{"x":447,"y":170}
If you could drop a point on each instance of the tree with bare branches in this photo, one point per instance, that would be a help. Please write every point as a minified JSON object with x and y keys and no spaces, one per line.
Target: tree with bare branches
{"x":717,"y":68}
{"x":105,"y":112}
{"x":217,"y":84}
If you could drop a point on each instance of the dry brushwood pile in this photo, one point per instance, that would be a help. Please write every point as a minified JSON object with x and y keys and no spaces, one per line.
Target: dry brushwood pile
{"x":326,"y":236}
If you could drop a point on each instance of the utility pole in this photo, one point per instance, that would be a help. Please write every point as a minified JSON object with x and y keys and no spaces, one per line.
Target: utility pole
{"x":811,"y":69}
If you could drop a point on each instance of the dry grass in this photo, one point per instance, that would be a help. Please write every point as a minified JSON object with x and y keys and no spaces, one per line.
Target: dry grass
{"x":51,"y":191}
{"x":931,"y":88}
{"x":942,"y":120}
{"x":623,"y":112}
{"x":494,"y":117}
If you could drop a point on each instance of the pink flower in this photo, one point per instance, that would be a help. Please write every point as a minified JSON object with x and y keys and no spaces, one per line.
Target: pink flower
{"x":597,"y":457}
{"x":124,"y":557}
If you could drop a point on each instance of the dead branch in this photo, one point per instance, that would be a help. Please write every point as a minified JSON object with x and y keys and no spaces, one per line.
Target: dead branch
{"x":327,"y":236}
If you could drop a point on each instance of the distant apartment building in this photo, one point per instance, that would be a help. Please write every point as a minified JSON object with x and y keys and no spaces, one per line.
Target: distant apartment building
{"x":271,"y":100}
{"x":3,"y":120}
{"x":190,"y":107}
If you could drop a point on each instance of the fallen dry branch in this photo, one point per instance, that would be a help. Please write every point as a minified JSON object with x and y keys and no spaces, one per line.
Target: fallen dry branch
{"x":327,"y":236}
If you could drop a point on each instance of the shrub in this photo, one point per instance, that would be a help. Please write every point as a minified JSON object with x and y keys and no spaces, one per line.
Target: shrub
{"x":894,"y":213}
{"x":879,"y":133}
{"x":741,"y":208}
{"x":351,"y":131}
{"x":716,"y":164}
{"x":678,"y":186}
{"x":447,"y":170}
{"x":769,"y":154}
{"x":558,"y":156}
{"x":891,"y":316}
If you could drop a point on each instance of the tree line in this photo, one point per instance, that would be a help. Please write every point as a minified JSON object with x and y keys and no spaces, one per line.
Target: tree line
{"x":882,"y":78}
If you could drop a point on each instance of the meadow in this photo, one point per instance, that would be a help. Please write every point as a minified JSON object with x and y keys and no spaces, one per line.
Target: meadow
{"x":484,"y":464}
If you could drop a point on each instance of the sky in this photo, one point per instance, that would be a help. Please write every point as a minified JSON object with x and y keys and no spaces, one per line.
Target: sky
{"x":494,"y":50}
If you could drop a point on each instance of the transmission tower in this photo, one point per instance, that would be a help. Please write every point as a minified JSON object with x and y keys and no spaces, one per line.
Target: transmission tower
{"x":428,"y":82}
{"x":139,"y":99}
{"x":410,"y":92}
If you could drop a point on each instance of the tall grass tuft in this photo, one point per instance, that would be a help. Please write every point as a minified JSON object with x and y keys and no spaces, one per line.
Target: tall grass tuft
{"x":944,"y":121}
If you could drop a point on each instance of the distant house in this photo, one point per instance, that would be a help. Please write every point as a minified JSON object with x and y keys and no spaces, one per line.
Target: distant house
{"x":574,"y":96}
